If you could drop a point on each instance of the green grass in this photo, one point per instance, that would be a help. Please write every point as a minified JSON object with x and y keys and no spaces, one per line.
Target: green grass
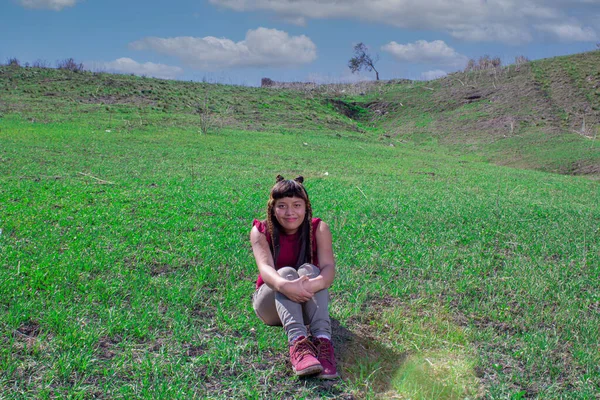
{"x":126,"y":270}
{"x":132,"y":102}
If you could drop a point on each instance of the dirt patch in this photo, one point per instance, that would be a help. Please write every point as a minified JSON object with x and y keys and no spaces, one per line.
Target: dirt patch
{"x":29,"y":328}
{"x":116,"y":99}
{"x":29,"y":337}
{"x":352,"y":110}
{"x":203,"y":311}
{"x":158,"y":269}
{"x":107,"y":347}
{"x":571,"y":93}
{"x":509,"y":99}
{"x":502,"y":328}
{"x":156,"y":345}
{"x":583,"y":168}
{"x":381,"y":108}
{"x":194,"y":350}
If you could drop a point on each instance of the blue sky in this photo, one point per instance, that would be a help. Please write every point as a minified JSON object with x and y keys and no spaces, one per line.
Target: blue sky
{"x":241,"y":41}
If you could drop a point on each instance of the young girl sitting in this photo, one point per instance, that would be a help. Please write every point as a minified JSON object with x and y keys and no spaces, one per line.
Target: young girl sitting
{"x":294,"y":255}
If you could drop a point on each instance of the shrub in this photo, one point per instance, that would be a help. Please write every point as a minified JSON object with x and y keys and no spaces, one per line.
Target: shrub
{"x":520,"y":60}
{"x":13,"y":62}
{"x":470,"y":65}
{"x":266,"y":82}
{"x":70,"y":65}
{"x":484,"y":62}
{"x":39,"y":63}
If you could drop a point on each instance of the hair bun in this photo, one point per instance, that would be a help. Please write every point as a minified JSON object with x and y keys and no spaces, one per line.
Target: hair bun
{"x":279,"y":178}
{"x":300,"y":179}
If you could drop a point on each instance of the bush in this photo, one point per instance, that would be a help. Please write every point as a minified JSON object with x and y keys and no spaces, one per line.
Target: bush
{"x":484,"y":62}
{"x":520,"y":60}
{"x":266,"y":82}
{"x":39,"y":63}
{"x":13,"y":62}
{"x":69,"y":64}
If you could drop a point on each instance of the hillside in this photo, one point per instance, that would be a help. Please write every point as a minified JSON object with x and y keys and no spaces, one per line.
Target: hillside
{"x":543,"y":115}
{"x":540,"y":115}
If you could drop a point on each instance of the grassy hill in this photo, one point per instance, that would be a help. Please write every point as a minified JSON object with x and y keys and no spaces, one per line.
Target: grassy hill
{"x":542,"y":115}
{"x":126,"y":270}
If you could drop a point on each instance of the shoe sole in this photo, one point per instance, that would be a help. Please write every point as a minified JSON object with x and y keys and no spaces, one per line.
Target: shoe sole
{"x":323,"y":376}
{"x":312,"y":370}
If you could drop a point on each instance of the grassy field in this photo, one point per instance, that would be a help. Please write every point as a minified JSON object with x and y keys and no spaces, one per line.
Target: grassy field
{"x":126,"y":269}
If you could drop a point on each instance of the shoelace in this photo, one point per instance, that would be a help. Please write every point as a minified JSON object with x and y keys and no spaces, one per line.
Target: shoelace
{"x":303,"y":348}
{"x":324,"y":350}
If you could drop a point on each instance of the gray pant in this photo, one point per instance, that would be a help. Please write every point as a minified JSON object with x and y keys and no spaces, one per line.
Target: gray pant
{"x":275,"y":309}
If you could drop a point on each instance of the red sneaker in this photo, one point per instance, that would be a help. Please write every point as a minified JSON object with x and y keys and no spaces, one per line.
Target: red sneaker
{"x":303,"y":357}
{"x":326,"y":358}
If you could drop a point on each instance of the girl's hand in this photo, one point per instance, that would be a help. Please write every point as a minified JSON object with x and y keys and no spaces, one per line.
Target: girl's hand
{"x":295,"y":290}
{"x":312,"y":286}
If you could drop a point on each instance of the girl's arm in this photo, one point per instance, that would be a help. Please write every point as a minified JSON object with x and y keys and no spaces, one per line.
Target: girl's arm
{"x":326,"y":260}
{"x":294,"y":290}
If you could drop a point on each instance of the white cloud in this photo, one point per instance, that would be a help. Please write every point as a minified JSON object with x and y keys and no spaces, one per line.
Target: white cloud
{"x":491,"y":32}
{"x":262,"y":47}
{"x":508,"y":21}
{"x":431,"y":75}
{"x":128,"y":66}
{"x":422,"y":51}
{"x":299,"y":21}
{"x":55,"y":5}
{"x":569,"y":33}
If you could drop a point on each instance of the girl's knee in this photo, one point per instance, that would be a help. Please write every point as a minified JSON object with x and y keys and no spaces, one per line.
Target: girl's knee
{"x":288,"y":273}
{"x":309,"y":270}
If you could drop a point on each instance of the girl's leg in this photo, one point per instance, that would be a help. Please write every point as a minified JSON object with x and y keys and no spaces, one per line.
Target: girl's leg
{"x":290,"y":312}
{"x":316,"y":310}
{"x":263,"y":303}
{"x":317,"y":314}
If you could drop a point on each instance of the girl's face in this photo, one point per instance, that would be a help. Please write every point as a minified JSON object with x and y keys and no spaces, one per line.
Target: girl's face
{"x":290,"y":213}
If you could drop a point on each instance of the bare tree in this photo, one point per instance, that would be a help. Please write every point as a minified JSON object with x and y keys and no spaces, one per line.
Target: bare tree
{"x":520,"y":60}
{"x":362,"y":59}
{"x":484,"y":62}
{"x":70,"y":65}
{"x":13,"y":62}
{"x":470,"y":65}
{"x":39,"y":63}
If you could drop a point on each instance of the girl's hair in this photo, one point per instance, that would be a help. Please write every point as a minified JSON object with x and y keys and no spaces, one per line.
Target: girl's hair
{"x":290,"y":188}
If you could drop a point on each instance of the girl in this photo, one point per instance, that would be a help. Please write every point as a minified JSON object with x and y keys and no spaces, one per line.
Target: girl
{"x":294,"y":256}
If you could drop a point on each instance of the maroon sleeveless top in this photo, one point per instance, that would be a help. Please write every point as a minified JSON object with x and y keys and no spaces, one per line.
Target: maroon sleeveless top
{"x":289,"y":246}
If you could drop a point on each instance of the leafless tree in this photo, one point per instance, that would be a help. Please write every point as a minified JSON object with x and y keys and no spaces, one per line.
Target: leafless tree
{"x":485,"y":62}
{"x":39,"y":63}
{"x":70,"y":65}
{"x":520,"y":60}
{"x":13,"y":62}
